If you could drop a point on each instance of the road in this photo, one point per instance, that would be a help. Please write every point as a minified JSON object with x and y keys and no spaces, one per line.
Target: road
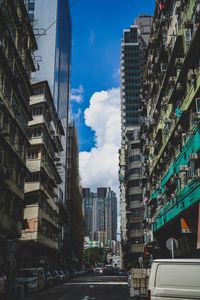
{"x":87,"y":288}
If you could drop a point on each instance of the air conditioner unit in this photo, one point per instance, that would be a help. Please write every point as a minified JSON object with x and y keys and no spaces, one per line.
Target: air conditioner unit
{"x":179,"y":62}
{"x":190,"y":173}
{"x":184,"y":168}
{"x":195,"y":116}
{"x":198,"y":173}
{"x":179,"y":87}
{"x":193,"y":156}
{"x":163,"y":67}
{"x":172,"y":80}
{"x":197,"y":103}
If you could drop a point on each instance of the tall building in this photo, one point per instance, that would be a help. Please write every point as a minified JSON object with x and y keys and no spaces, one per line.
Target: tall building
{"x":75,"y":228}
{"x":17,"y":45}
{"x":88,"y":208}
{"x":171,"y":139}
{"x":51,"y":23}
{"x":52,"y":27}
{"x":100,"y":210}
{"x":41,"y":241}
{"x":133,"y":56}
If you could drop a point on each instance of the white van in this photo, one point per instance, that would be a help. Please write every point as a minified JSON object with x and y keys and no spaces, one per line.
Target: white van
{"x":32,"y":278}
{"x":172,"y":279}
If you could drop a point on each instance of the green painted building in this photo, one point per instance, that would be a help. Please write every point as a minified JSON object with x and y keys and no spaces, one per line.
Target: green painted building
{"x":171,"y":130}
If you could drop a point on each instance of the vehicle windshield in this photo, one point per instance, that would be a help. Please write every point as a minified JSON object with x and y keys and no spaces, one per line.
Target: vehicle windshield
{"x":27,"y":273}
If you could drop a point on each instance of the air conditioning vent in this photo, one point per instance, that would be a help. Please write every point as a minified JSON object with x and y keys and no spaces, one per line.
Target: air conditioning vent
{"x":163,"y":67}
{"x":179,"y":63}
{"x":193,"y":156}
{"x":190,"y":173}
{"x":198,"y":173}
{"x":184,"y":168}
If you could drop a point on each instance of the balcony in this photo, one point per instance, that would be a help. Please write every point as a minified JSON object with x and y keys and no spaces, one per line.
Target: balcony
{"x":190,"y":195}
{"x":134,"y":190}
{"x":136,"y":248}
{"x":135,"y":233}
{"x":134,"y":204}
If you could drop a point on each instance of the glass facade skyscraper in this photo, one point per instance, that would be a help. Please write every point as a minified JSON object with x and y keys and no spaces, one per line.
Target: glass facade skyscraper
{"x":52,"y":26}
{"x":53,"y":34}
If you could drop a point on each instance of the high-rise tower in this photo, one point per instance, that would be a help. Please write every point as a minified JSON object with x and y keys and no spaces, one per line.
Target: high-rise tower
{"x":100,"y":210}
{"x":133,"y":56}
{"x":53,"y":33}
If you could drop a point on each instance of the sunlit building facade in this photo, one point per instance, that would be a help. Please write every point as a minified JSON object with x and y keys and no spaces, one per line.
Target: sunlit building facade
{"x":170,"y":132}
{"x":53,"y":33}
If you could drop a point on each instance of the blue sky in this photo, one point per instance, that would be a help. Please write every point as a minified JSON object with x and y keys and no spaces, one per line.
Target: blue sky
{"x":96,"y":35}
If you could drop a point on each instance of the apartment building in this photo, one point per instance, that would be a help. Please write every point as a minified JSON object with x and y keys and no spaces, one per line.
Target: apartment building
{"x":51,"y":23}
{"x":42,"y":239}
{"x":133,"y":57}
{"x":17,"y":44}
{"x":170,"y":131}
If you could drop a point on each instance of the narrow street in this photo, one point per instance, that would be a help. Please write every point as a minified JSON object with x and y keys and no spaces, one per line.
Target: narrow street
{"x":87,"y":288}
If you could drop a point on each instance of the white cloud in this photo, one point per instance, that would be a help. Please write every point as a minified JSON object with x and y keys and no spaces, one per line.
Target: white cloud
{"x":78,"y":115}
{"x":77,"y":94}
{"x":99,"y":167}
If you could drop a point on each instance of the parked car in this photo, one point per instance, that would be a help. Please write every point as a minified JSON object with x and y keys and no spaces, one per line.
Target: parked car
{"x":174,"y":279}
{"x":2,"y":283}
{"x":48,"y":279}
{"x":33,"y":279}
{"x":56,"y":277}
{"x":62,"y":276}
{"x":98,"y":270}
{"x":67,"y":276}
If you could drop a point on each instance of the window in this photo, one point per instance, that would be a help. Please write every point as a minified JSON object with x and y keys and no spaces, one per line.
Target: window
{"x":37,"y":111}
{"x":136,"y":197}
{"x":37,"y":132}
{"x":135,"y":171}
{"x":135,"y":158}
{"x":39,"y":91}
{"x":33,"y":154}
{"x":133,"y":183}
{"x":35,"y":176}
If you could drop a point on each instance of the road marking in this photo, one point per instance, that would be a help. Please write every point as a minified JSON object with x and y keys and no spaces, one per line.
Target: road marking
{"x":91,"y":286}
{"x":88,"y":298}
{"x":96,"y":283}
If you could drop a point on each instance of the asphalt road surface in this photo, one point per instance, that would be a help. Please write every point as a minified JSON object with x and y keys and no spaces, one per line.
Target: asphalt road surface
{"x":87,"y":288}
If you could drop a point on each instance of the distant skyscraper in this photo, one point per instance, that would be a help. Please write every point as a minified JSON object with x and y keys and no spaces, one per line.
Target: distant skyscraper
{"x":88,"y":207}
{"x":100,"y":214}
{"x":52,"y":26}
